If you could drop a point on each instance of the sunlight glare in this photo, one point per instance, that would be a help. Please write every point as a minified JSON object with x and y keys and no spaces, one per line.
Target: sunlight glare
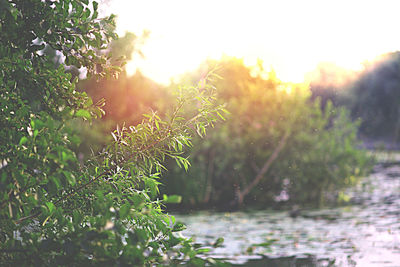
{"x":292,"y":37}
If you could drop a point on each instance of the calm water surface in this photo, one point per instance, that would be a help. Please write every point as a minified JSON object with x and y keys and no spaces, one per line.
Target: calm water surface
{"x":366,"y":233}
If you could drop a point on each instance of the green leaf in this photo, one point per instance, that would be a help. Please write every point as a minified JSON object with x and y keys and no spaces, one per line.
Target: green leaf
{"x":178,"y":227}
{"x":70,"y":177}
{"x":95,"y":5}
{"x":83,"y":113}
{"x":268,"y":243}
{"x":23,"y":140}
{"x":203,"y":250}
{"x":218,"y":242}
{"x":124,"y":210}
{"x":50,"y":206}
{"x":76,"y":217}
{"x":172,"y":199}
{"x":152,"y":185}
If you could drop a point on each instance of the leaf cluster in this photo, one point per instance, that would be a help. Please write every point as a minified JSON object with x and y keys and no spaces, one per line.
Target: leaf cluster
{"x":54,"y":208}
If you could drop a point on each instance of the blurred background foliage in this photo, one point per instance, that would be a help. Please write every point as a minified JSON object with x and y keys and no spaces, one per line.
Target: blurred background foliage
{"x":242,"y":161}
{"x":372,"y":95}
{"x":276,"y":146}
{"x":126,"y":98}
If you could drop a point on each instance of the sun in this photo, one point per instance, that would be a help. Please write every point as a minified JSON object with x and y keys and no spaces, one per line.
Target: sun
{"x":291,"y":37}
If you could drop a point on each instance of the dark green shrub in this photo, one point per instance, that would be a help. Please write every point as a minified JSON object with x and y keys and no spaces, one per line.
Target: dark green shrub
{"x":55,"y":210}
{"x":372,"y":95}
{"x":374,"y":98}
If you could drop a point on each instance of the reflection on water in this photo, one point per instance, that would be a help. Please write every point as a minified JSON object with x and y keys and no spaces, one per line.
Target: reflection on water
{"x":366,"y":233}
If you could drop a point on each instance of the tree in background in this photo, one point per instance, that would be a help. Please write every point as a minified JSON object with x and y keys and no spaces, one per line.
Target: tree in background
{"x":55,"y":210}
{"x":328,"y":82}
{"x":375,"y":98}
{"x":372,"y":95}
{"x":275,"y":145}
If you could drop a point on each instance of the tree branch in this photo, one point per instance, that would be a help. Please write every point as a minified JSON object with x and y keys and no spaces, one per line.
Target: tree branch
{"x":264,"y":169}
{"x":80,"y":187}
{"x":62,"y":198}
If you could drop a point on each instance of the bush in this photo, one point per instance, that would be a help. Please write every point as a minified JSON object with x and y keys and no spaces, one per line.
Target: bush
{"x":275,"y":145}
{"x":56,"y":210}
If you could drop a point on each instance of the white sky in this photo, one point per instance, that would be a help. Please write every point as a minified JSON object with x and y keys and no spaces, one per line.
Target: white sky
{"x":291,"y":36}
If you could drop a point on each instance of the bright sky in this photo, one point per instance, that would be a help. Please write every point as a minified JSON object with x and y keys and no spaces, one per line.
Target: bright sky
{"x":291,"y":36}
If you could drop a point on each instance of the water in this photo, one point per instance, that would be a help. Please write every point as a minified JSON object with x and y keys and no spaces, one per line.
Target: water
{"x":366,"y":233}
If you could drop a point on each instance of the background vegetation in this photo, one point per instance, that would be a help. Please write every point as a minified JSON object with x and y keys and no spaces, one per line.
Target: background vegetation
{"x":371,"y":95}
{"x":276,"y":146}
{"x":281,"y":143}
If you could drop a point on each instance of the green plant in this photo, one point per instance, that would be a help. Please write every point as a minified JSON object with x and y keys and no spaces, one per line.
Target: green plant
{"x":275,"y":145}
{"x":55,"y":210}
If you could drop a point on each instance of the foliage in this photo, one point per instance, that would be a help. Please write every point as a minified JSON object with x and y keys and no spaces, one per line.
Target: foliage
{"x":126,"y":98}
{"x":372,"y":95}
{"x":56,"y":210}
{"x":329,"y":82}
{"x":375,"y":97}
{"x":275,"y":145}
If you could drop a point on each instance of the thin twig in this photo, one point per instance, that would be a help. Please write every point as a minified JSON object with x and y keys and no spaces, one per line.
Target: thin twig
{"x":264,"y":169}
{"x":62,"y":198}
